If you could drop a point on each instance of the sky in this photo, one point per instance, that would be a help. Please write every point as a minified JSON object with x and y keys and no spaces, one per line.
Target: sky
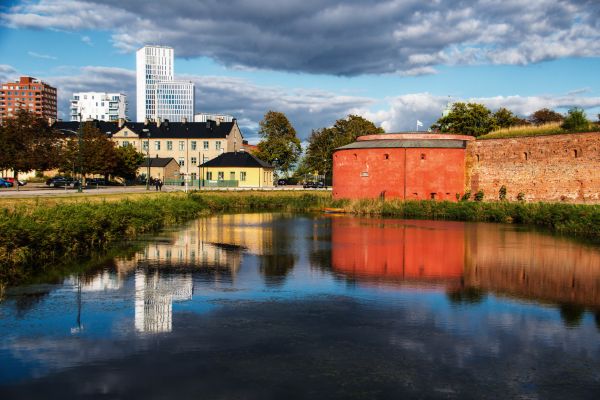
{"x":391,"y":61}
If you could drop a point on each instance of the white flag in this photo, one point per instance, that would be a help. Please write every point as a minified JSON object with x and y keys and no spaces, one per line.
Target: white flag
{"x":419,"y":123}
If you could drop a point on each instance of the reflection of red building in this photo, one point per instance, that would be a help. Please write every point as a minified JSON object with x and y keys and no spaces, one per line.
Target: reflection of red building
{"x":403,"y":166}
{"x":398,"y":249}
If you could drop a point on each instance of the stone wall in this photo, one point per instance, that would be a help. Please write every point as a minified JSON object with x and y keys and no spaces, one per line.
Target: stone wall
{"x":545,"y":168}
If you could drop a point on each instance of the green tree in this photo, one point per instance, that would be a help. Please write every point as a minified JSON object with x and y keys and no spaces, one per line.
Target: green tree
{"x":94,"y":154}
{"x":279,"y":144}
{"x":128,"y":162}
{"x":322,"y":142}
{"x":28,"y":143}
{"x":575,"y":120}
{"x":504,"y":118}
{"x":466,"y":119}
{"x":545,"y":116}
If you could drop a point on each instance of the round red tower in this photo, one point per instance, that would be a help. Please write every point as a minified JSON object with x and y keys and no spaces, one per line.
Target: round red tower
{"x":419,"y":166}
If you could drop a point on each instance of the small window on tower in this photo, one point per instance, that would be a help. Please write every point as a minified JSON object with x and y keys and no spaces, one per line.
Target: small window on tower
{"x":386,"y":156}
{"x":422,"y":156}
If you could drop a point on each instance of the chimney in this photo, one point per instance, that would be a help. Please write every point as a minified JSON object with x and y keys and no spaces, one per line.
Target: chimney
{"x":158,"y":122}
{"x":121,"y":122}
{"x":146,"y":121}
{"x":184,"y":120}
{"x":166,"y":122}
{"x":218,"y":120}
{"x":208,"y":124}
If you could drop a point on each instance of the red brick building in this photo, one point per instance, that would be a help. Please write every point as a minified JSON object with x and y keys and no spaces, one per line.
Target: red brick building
{"x":30,"y":94}
{"x":402,"y":166}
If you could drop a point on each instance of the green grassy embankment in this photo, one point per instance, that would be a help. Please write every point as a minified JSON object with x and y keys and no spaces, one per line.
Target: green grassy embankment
{"x":535,"y":130}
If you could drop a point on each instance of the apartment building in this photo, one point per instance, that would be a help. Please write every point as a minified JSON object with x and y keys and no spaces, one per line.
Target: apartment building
{"x":98,"y":105}
{"x":158,"y":94}
{"x":29,"y":94}
{"x":190,"y":143}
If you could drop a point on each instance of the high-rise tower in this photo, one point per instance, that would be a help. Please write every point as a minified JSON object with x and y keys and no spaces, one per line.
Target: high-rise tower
{"x":158,"y":94}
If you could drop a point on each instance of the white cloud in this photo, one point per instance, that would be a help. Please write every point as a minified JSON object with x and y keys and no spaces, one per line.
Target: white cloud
{"x":87,"y":40}
{"x":339,"y":37}
{"x":42,"y":56}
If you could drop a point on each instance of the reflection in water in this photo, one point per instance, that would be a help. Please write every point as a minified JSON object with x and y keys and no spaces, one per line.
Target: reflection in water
{"x":270,"y":305}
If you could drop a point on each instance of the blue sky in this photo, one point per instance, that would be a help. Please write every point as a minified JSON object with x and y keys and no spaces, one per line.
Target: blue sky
{"x":392,"y":61}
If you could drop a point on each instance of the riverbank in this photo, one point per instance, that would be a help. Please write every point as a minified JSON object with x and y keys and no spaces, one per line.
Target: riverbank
{"x":38,"y":233}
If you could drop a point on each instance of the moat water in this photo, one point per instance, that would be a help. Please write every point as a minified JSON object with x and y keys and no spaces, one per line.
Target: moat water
{"x":271,"y":306}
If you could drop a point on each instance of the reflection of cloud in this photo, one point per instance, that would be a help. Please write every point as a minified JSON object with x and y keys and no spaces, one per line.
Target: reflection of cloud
{"x":102,"y":281}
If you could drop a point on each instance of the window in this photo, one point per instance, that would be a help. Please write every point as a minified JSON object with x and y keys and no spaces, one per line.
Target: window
{"x":422,"y":156}
{"x":243,"y":176}
{"x":386,"y":156}
{"x":181,"y":161}
{"x":193,"y":174}
{"x":169,"y":145}
{"x":218,"y":145}
{"x":232,"y":176}
{"x":125,"y":143}
{"x":193,"y":145}
{"x":145,"y":145}
{"x":220,"y":175}
{"x":209,"y":176}
{"x":205,"y":144}
{"x":194,"y":160}
{"x":181,"y":145}
{"x":157,"y":145}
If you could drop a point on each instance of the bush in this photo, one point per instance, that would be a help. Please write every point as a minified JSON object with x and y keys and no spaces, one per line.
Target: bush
{"x":575,"y":120}
{"x":521,"y":196}
{"x":478,"y":196}
{"x":502,"y":193}
{"x":466,"y":196}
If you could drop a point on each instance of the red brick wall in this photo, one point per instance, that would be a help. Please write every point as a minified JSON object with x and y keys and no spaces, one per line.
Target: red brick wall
{"x":544,"y":168}
{"x":398,"y":173}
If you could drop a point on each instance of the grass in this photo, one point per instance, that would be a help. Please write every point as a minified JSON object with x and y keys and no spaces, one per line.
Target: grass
{"x":533,"y":130}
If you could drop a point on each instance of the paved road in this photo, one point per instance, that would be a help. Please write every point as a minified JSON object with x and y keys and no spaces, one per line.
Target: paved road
{"x":40,"y":189}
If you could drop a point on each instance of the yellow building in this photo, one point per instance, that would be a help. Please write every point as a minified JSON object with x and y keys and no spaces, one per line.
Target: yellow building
{"x":189,"y":143}
{"x":162,"y":168}
{"x":238,"y":168}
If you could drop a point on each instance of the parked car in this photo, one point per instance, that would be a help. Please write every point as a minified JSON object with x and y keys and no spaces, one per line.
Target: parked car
{"x":281,"y":182}
{"x":309,"y":185}
{"x":95,"y":182}
{"x":12,"y":180}
{"x":61,"y":181}
{"x":5,"y":184}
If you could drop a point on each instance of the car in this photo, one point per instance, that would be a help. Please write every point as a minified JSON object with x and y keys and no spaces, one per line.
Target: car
{"x":309,"y":185}
{"x":95,"y":182}
{"x":61,"y":181}
{"x":5,"y":184}
{"x":12,"y":180}
{"x":281,"y":182}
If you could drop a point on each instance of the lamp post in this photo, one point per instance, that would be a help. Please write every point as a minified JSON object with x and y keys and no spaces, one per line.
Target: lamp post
{"x":147,"y":131}
{"x":79,"y":135}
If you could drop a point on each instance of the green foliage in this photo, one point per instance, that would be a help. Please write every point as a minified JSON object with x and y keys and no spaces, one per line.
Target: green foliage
{"x":521,"y":196}
{"x":128,"y":162}
{"x":575,"y":120}
{"x":279,"y":144}
{"x":545,"y":116}
{"x":466,"y":196}
{"x":502,"y":193}
{"x":322,"y":142}
{"x":504,"y":118}
{"x":27,"y":143}
{"x":467,"y":119}
{"x":478,"y":196}
{"x":94,"y":154}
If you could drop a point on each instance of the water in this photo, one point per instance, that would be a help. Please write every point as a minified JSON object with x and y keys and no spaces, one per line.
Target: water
{"x":259,"y":306}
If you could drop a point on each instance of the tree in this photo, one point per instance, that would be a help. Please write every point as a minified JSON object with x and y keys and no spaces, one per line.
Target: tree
{"x":545,"y":116}
{"x":504,"y":118}
{"x":128,"y":162}
{"x":95,"y":155}
{"x":322,"y":142}
{"x":467,"y":119}
{"x":28,"y":143}
{"x":575,"y":120}
{"x":279,"y":144}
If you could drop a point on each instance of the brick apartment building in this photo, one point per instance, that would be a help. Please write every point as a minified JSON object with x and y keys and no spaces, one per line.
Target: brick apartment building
{"x":30,"y":94}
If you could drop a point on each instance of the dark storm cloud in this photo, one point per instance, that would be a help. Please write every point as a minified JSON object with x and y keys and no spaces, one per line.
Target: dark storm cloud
{"x":336,"y":37}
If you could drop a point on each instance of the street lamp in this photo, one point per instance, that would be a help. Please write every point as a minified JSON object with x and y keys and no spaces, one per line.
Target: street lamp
{"x":79,"y":134}
{"x":147,"y":131}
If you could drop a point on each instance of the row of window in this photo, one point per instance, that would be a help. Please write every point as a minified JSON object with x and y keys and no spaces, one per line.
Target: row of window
{"x":193,"y":145}
{"x":221,"y":176}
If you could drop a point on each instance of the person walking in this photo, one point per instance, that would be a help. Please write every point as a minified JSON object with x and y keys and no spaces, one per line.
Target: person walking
{"x":156,"y":184}
{"x":160,"y":183}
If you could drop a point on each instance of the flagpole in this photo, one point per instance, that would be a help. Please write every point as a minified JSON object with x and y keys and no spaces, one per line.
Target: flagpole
{"x":417,"y":125}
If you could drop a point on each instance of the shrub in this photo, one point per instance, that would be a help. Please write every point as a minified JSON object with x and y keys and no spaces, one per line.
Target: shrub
{"x":478,"y":196}
{"x":575,"y":120}
{"x":521,"y":196}
{"x":502,"y":193}
{"x":466,"y":196}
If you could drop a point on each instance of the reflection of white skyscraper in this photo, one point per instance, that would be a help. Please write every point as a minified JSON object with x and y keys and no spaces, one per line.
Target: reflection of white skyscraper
{"x":154,"y":296}
{"x":158,"y":94}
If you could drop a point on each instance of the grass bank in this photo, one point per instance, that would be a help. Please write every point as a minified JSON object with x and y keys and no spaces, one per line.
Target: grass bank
{"x":36,"y":235}
{"x":553,"y":128}
{"x":574,"y":219}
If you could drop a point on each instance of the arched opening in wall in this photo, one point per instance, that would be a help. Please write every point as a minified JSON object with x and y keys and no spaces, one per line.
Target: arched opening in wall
{"x":576,"y":154}
{"x":525,"y":156}
{"x":422,"y":156}
{"x":477,"y":156}
{"x":386,"y":156}
{"x":432,"y":196}
{"x":355,"y":156}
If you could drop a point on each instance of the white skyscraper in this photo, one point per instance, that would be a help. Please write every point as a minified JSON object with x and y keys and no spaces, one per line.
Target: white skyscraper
{"x":158,"y":94}
{"x":98,"y":105}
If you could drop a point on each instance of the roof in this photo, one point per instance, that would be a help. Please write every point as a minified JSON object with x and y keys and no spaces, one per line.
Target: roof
{"x":237,"y":159}
{"x":158,"y":162}
{"x":166,"y":130}
{"x":406,"y":143}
